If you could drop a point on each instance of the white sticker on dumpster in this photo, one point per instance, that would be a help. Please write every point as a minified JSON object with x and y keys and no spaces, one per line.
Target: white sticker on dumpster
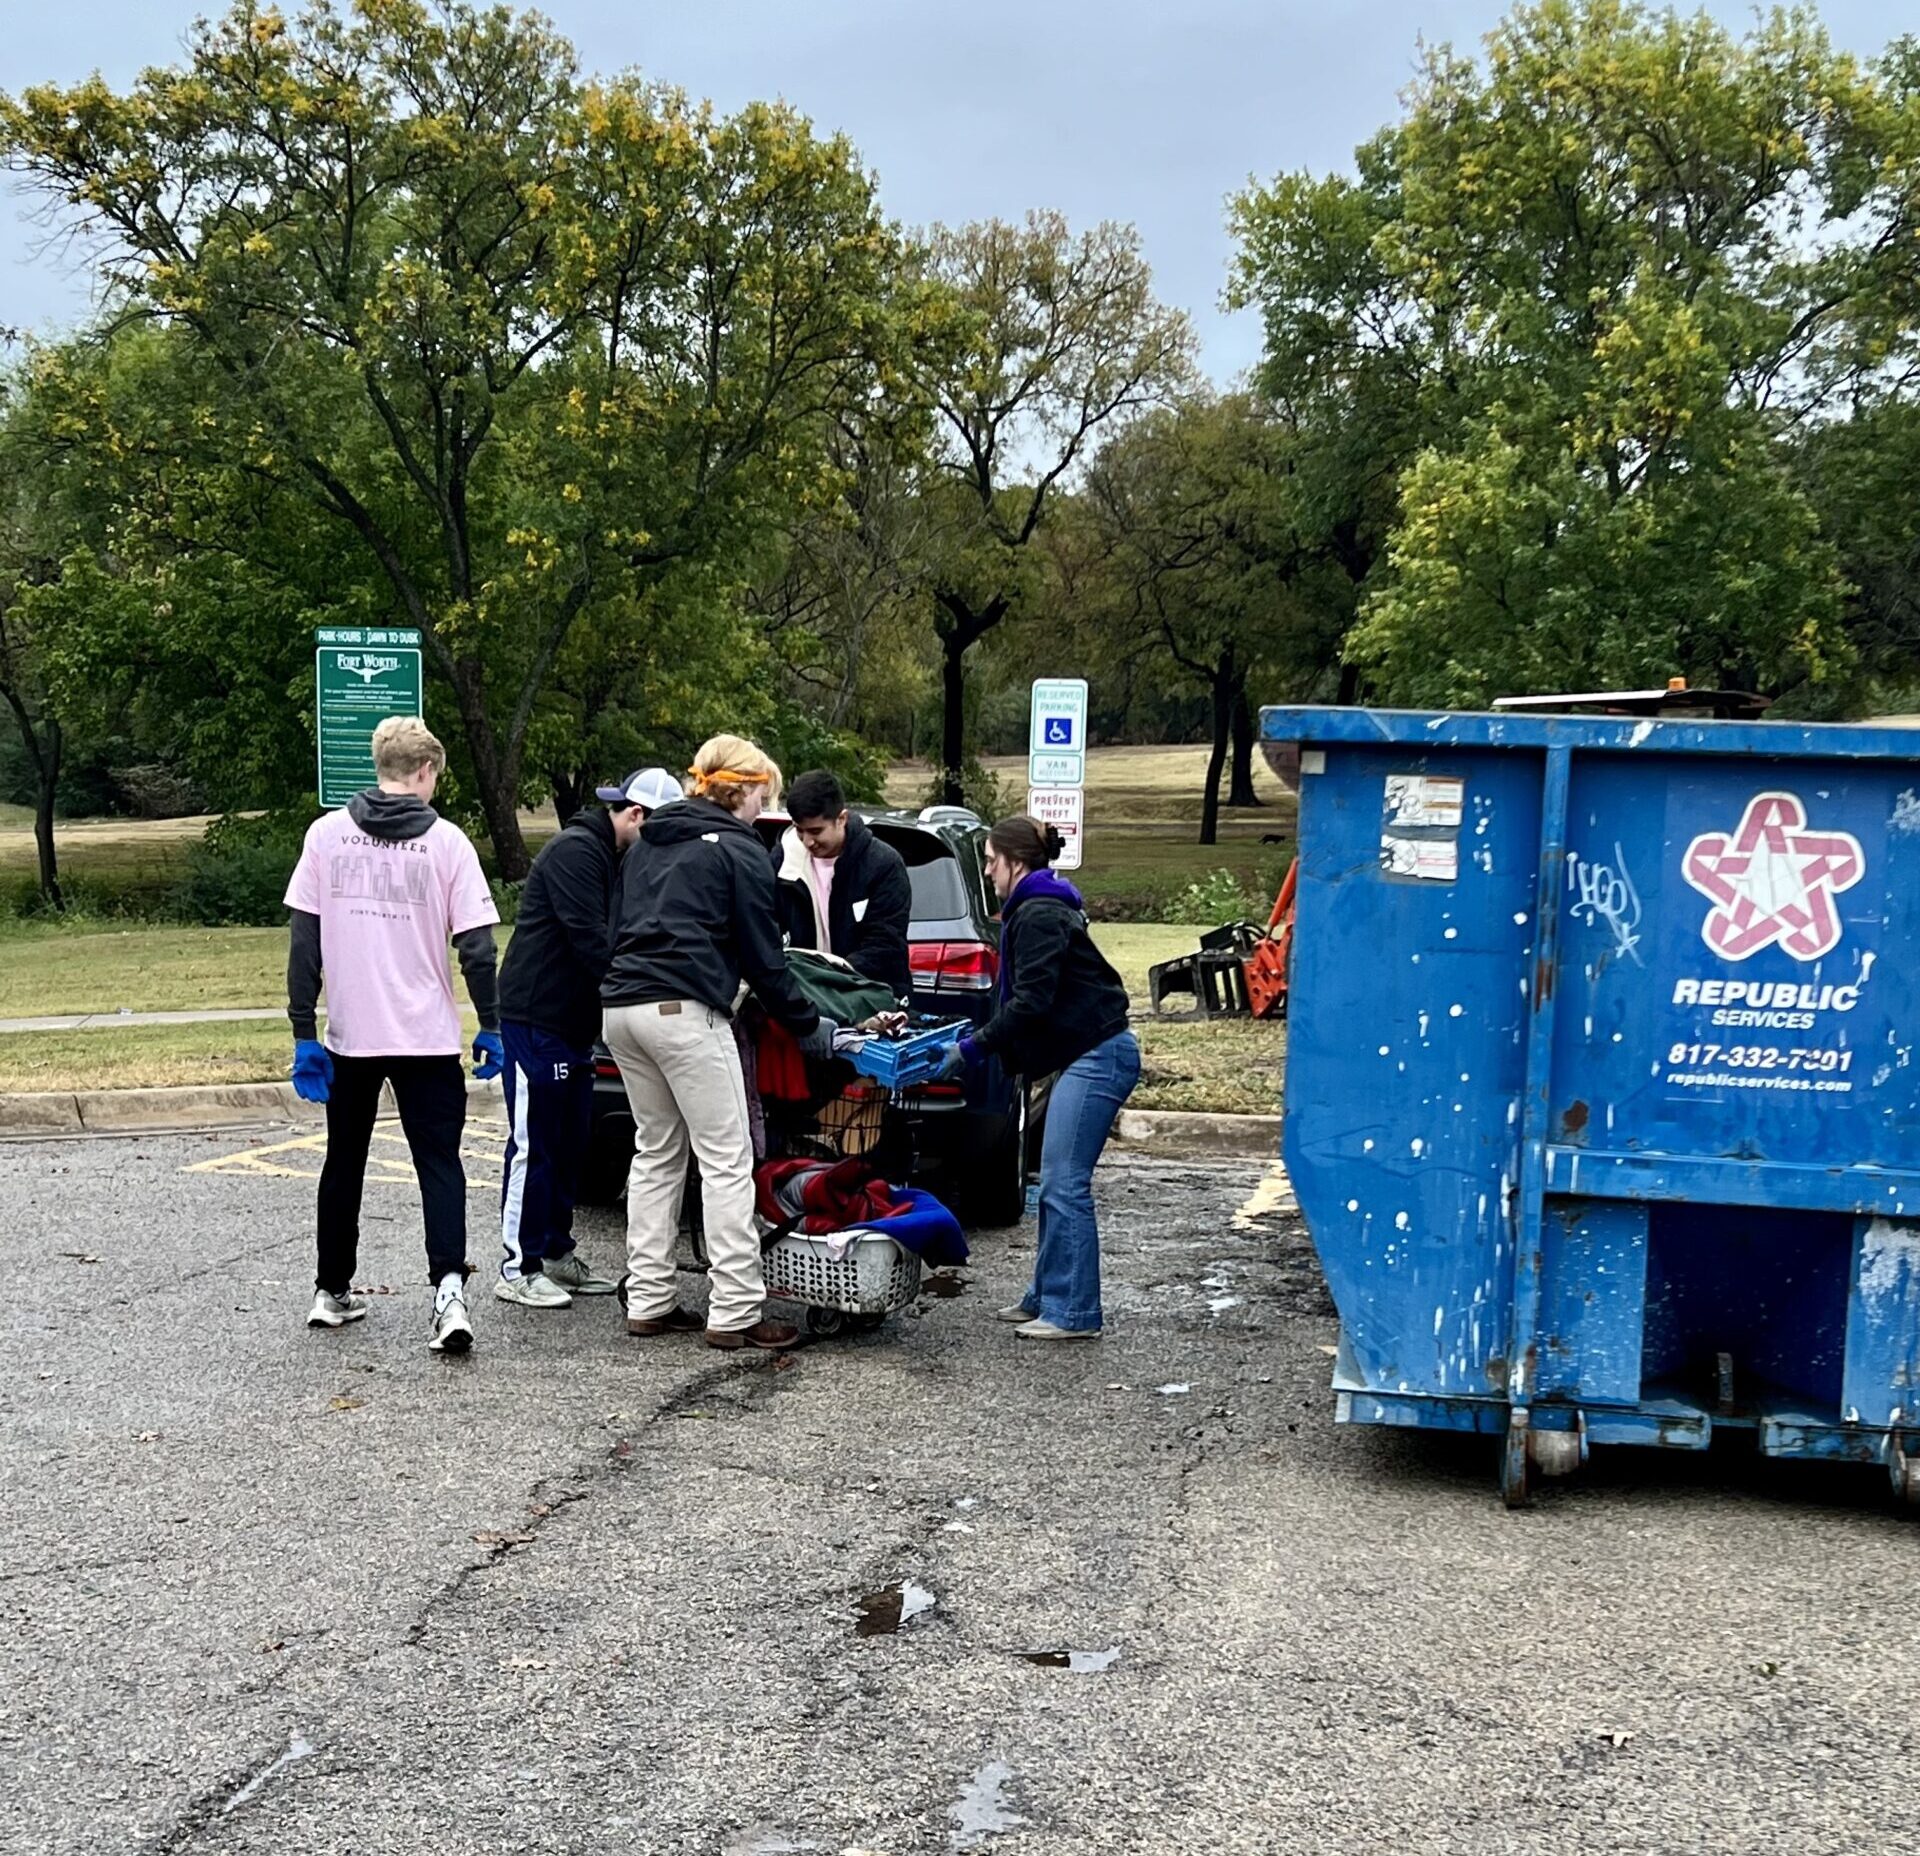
{"x":1423,"y":799}
{"x":1432,"y":860}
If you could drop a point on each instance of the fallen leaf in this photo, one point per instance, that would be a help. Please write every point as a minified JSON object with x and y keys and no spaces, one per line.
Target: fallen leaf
{"x":80,"y":1256}
{"x":1332,"y":1353}
{"x":277,"y":1643}
{"x":526,"y":1662}
{"x":147,"y":1437}
{"x":1614,"y":1737}
{"x":502,"y":1537}
{"x":344,"y":1404}
{"x":539,"y":1508}
{"x":624,"y":1448}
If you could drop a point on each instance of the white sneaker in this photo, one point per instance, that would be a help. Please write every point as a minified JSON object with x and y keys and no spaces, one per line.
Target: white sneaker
{"x":1045,"y":1330}
{"x":536,"y":1291}
{"x":572,"y":1274}
{"x":335,"y":1311}
{"x":1017,"y":1312}
{"x":452,"y":1331}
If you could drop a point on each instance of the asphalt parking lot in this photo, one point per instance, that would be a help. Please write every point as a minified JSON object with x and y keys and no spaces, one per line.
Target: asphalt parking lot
{"x":268,"y":1590}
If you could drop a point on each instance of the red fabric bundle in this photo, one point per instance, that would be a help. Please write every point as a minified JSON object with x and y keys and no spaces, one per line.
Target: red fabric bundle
{"x":833,"y":1194}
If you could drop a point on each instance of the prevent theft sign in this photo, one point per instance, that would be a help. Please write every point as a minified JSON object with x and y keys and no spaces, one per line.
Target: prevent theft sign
{"x":362,"y":675}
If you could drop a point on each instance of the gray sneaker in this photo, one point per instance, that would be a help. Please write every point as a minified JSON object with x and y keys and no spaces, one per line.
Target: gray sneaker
{"x":335,"y":1311}
{"x":571,"y":1274}
{"x":1046,"y":1330}
{"x":535,"y":1291}
{"x":1017,"y":1312}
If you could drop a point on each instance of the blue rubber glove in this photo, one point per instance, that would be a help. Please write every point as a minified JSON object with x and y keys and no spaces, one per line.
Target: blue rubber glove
{"x":312,"y":1070}
{"x":489,"y":1056}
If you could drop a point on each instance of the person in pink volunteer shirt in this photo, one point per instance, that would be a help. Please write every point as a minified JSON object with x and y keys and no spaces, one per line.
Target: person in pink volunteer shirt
{"x":381,"y":887}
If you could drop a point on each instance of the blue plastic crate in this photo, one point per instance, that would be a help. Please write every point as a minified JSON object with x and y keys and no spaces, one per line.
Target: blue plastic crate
{"x":901,"y":1063}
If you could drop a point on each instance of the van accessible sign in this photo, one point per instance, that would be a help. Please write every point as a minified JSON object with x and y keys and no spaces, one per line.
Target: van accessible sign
{"x":1057,"y":739}
{"x":361,"y":675}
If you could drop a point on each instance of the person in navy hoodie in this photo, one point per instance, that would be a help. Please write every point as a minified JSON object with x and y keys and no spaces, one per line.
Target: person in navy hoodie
{"x":1062,"y":1011}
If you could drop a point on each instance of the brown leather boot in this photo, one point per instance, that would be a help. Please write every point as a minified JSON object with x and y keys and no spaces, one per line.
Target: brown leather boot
{"x":772,"y":1336}
{"x":675,"y":1321}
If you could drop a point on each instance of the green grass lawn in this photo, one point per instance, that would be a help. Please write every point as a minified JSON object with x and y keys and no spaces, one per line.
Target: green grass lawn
{"x":48,"y":969}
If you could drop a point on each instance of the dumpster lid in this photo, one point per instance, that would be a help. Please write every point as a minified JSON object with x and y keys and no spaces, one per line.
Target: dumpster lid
{"x":1674,"y":700}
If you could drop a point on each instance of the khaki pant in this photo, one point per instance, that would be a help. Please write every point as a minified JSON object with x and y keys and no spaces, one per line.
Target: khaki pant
{"x":681,"y":1069}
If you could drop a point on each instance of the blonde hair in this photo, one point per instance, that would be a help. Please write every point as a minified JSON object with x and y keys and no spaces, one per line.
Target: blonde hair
{"x":402,"y":745}
{"x":727,"y":766}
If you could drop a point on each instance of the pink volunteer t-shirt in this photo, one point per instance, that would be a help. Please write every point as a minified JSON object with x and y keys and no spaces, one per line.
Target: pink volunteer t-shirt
{"x":820,"y":874}
{"x":387,"y":910}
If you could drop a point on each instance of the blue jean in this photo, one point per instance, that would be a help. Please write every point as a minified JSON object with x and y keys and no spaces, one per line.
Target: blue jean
{"x":1087,"y":1098}
{"x":549,"y":1090}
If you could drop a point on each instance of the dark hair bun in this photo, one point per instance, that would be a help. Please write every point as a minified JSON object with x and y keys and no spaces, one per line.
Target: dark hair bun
{"x":1051,"y":838}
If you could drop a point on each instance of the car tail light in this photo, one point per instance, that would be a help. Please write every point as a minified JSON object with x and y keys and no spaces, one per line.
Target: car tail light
{"x":936,"y":1092}
{"x":605,"y":1066}
{"x":954,"y":966}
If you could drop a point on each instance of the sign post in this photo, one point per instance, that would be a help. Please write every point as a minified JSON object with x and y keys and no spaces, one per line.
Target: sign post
{"x":361,"y":675}
{"x":1057,"y":762}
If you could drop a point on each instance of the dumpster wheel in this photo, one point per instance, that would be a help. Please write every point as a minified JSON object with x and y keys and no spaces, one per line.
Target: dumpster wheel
{"x":1903,"y":1470}
{"x":1516,"y":1460}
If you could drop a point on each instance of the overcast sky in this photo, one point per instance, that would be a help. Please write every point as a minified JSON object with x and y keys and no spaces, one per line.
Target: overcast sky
{"x":1146,"y":110}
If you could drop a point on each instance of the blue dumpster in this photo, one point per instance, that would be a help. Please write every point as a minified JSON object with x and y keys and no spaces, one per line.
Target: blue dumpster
{"x":1602,"y":1102}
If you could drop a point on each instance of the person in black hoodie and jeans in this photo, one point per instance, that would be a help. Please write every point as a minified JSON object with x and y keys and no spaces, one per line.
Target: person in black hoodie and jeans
{"x":549,"y":1018}
{"x":1062,"y":1011}
{"x":696,"y":919}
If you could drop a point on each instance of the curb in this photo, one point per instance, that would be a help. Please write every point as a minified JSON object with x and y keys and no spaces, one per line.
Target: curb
{"x":1182,"y":1135}
{"x":27,"y":1116}
{"x":194,"y":1110}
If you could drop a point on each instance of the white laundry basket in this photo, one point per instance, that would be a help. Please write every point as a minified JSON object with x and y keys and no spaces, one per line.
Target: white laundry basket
{"x":872,"y":1280}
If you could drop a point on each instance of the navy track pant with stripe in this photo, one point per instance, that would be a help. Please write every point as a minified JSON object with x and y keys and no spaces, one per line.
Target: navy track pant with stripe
{"x":549,"y":1089}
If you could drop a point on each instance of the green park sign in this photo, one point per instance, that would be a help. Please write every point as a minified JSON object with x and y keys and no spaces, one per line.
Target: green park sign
{"x":361,"y":675}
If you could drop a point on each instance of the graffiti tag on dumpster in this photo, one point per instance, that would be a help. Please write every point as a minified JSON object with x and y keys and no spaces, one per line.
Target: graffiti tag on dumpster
{"x":1773,"y":881}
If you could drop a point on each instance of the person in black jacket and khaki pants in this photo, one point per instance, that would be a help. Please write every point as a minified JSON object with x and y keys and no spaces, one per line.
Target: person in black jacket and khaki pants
{"x":696,"y":918}
{"x":549,"y":1018}
{"x":1062,"y":1011}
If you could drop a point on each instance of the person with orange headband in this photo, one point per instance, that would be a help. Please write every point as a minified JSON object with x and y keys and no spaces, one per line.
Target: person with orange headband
{"x":696,"y":917}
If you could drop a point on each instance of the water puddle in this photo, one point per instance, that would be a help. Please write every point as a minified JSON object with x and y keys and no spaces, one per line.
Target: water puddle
{"x":890,"y":1609}
{"x":297,"y":1750}
{"x":1079,"y":1662}
{"x":983,"y":1808}
{"x":943,"y":1284}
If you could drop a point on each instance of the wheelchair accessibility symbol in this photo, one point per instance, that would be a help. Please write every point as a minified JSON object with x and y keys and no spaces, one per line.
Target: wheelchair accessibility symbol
{"x":1059,"y":731}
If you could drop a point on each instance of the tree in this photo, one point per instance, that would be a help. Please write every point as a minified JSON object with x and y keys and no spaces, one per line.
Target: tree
{"x":1609,"y":261}
{"x":523,"y":337}
{"x":23,"y":684}
{"x":1047,"y":340}
{"x":1205,"y":565}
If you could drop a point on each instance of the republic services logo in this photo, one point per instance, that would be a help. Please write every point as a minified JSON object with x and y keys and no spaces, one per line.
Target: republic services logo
{"x":1773,"y":880}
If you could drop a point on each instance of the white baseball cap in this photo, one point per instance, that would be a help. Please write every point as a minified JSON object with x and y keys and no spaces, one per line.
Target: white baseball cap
{"x":651,"y":787}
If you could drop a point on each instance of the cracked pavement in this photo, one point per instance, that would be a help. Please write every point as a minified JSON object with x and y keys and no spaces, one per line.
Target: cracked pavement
{"x":267,"y":1590}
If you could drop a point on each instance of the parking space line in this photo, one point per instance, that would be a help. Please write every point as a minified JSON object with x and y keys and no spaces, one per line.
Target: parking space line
{"x":282,"y":1160}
